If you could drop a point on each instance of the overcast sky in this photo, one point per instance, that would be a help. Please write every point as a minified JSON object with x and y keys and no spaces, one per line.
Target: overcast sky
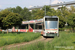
{"x":27,"y":3}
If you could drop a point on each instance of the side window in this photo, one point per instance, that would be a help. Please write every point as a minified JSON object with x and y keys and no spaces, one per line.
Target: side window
{"x":39,"y":26}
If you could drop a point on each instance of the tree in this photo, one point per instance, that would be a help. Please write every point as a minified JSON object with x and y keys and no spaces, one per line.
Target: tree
{"x":33,"y":13}
{"x":25,"y":14}
{"x":3,"y":14}
{"x":49,"y":11}
{"x":72,"y":9}
{"x":48,"y":8}
{"x":12,"y":19}
{"x":63,"y":14}
{"x":18,"y":9}
{"x":12,"y":9}
{"x":71,"y":20}
{"x":61,"y":19}
{"x":0,"y":20}
{"x":38,"y":14}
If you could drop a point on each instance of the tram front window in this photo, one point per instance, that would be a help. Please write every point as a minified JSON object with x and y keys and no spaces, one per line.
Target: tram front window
{"x":51,"y":23}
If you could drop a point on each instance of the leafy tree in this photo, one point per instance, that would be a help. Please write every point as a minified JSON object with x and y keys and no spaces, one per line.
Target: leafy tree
{"x":18,"y":9}
{"x":61,"y":19}
{"x":49,"y":11}
{"x":48,"y":8}
{"x":63,"y":14}
{"x":33,"y":13}
{"x":3,"y":14}
{"x":12,"y":19}
{"x":0,"y":20}
{"x":26,"y":14}
{"x":12,"y":9}
{"x":72,"y":9}
{"x":71,"y":20}
{"x":37,"y":14}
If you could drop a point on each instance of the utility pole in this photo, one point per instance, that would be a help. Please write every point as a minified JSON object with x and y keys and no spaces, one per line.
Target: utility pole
{"x":45,"y":7}
{"x":50,"y":2}
{"x":45,"y":10}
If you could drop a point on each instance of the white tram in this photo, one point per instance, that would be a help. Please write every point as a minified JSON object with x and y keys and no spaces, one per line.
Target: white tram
{"x":48,"y":26}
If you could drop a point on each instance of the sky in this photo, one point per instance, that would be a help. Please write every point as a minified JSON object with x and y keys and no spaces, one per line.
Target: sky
{"x":28,"y":3}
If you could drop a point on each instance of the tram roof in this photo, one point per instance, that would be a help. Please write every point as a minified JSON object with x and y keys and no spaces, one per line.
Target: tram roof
{"x":38,"y":20}
{"x":50,"y":16}
{"x":32,"y":21}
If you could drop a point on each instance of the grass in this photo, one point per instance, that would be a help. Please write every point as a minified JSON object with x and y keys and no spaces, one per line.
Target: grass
{"x":66,"y":41}
{"x":11,"y":38}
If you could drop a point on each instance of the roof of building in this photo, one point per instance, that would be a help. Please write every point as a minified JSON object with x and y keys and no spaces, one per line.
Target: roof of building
{"x":54,"y":5}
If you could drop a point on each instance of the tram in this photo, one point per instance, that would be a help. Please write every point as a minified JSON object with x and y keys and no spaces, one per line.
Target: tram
{"x":47,"y":26}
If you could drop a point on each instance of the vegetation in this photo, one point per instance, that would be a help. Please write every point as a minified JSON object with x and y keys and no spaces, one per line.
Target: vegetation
{"x":37,"y":14}
{"x":64,"y":42}
{"x":25,"y":13}
{"x":14,"y":16}
{"x":12,"y":19}
{"x":64,"y":14}
{"x":72,"y":21}
{"x":9,"y":19}
{"x":11,"y":38}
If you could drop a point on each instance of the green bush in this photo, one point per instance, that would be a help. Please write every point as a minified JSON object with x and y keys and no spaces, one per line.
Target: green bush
{"x":61,"y":29}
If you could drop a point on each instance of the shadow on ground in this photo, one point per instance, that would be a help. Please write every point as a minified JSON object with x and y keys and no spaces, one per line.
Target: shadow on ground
{"x":48,"y":37}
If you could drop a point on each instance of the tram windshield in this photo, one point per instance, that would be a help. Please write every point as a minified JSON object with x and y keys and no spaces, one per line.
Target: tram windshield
{"x":51,"y":23}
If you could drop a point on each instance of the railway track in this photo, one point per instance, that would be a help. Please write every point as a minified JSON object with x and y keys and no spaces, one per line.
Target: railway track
{"x":26,"y":43}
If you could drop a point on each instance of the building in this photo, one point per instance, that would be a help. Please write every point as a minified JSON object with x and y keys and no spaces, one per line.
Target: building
{"x":56,"y":6}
